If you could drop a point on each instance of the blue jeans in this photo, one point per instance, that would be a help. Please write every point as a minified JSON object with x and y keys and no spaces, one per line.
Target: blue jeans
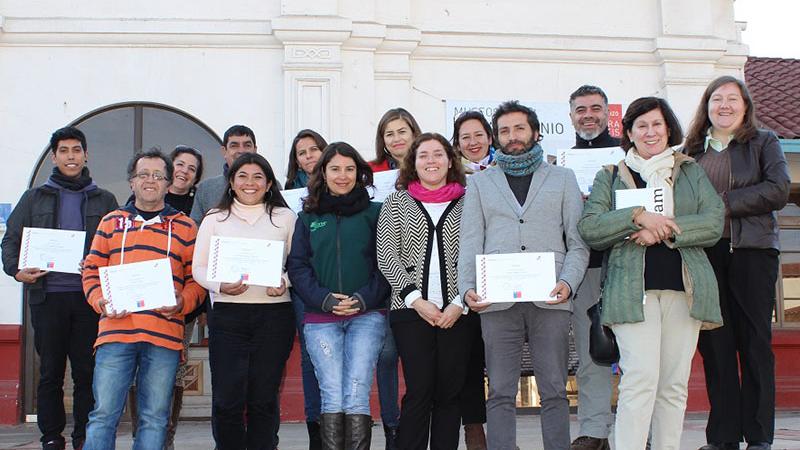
{"x":311,"y":398}
{"x":387,"y":380}
{"x":116,"y":364}
{"x":344,"y":356}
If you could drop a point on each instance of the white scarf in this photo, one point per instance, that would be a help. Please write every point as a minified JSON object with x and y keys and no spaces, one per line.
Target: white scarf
{"x":656,"y":172}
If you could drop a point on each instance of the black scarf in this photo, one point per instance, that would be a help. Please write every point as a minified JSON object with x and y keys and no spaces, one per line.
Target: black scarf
{"x":348,"y":204}
{"x":72,"y":184}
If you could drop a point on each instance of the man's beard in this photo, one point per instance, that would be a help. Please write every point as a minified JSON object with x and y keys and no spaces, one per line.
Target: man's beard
{"x":589,"y":136}
{"x":526,"y":147}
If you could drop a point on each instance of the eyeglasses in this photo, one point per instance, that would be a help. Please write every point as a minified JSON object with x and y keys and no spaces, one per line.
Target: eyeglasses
{"x":156,"y":176}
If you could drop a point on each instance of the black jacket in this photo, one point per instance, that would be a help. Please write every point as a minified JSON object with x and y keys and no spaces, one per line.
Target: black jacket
{"x":38,"y":208}
{"x":603,"y":140}
{"x":759,"y":187}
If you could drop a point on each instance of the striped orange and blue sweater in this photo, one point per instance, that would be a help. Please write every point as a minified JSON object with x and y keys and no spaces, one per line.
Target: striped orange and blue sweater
{"x":125,"y":237}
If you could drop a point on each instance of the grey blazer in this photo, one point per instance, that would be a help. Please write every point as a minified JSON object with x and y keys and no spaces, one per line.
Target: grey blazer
{"x":494,"y":222}
{"x":208,"y":194}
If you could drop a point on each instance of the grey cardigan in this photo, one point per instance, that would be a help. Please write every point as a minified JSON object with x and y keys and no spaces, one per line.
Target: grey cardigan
{"x":494,"y":222}
{"x":209,"y":193}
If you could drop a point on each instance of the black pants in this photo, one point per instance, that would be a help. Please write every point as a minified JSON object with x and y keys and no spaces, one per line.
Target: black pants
{"x":248,"y":347}
{"x":64,"y":325}
{"x":741,"y":407}
{"x":473,"y":394}
{"x":434,"y":363}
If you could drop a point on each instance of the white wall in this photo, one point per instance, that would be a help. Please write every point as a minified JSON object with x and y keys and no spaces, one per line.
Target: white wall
{"x":338,"y":64}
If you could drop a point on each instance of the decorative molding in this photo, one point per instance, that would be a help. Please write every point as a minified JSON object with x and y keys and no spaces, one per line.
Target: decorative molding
{"x":311,"y":100}
{"x":155,"y":32}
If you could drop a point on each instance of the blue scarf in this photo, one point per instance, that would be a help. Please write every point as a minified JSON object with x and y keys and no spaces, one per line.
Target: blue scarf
{"x":520,"y":165}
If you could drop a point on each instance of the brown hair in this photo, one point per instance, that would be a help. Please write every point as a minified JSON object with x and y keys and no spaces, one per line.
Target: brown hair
{"x":316,"y":182}
{"x":291,"y":173}
{"x":699,"y":127}
{"x":408,"y":171}
{"x":644,"y":105}
{"x":390,"y":115}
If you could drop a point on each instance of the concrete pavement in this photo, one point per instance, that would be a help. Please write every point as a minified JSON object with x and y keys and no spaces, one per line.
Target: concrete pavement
{"x":196,"y":435}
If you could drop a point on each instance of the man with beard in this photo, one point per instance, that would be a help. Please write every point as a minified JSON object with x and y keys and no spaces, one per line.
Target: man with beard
{"x":522,"y":205}
{"x":64,"y":325}
{"x":588,"y":109}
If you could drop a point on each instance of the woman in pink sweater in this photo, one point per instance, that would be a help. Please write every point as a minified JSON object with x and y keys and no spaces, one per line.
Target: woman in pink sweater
{"x":251,"y":328}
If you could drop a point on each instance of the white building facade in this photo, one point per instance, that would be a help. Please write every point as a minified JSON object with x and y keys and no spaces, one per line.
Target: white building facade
{"x":331,"y":65}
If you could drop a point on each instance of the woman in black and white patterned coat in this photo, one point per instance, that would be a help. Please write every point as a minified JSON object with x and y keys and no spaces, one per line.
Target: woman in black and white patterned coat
{"x":418,"y":232}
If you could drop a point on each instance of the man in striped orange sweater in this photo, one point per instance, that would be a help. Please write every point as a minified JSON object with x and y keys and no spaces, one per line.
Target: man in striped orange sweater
{"x":145,"y":344}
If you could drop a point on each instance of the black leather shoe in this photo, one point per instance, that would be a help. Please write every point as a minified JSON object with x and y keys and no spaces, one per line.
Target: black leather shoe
{"x":723,"y":446}
{"x":759,"y":446}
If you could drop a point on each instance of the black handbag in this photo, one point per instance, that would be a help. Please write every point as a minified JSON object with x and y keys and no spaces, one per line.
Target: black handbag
{"x":603,"y":346}
{"x":602,"y":342}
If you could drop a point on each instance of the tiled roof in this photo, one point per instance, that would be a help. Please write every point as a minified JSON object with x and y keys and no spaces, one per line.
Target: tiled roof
{"x":774,"y":84}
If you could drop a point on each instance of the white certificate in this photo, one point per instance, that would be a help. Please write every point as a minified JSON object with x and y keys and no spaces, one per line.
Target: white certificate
{"x":51,"y":250}
{"x":294,"y":198}
{"x":384,"y":184}
{"x":254,"y":261}
{"x":651,"y":198}
{"x":585,"y":162}
{"x":138,"y":286}
{"x":516,"y":277}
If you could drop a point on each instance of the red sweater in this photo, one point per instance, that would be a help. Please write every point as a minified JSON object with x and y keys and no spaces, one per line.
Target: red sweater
{"x":143,"y":241}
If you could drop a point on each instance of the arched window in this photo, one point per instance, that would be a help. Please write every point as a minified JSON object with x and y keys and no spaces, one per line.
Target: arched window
{"x":115,"y":132}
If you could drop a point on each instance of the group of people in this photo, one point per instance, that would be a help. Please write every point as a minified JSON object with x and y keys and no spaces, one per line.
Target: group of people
{"x":366,"y":283}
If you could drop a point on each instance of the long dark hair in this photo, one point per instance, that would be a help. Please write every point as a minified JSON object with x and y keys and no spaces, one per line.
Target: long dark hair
{"x":408,"y":172}
{"x":699,"y":127}
{"x":388,"y":116}
{"x":644,"y":105}
{"x":317,"y":185}
{"x":272,"y":198}
{"x":291,"y":172}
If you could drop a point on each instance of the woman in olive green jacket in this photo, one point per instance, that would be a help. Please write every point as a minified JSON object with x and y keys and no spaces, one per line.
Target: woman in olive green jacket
{"x":660,"y":287}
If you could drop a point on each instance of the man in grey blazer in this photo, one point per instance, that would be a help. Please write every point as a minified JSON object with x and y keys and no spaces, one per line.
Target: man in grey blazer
{"x":524,"y":205}
{"x":237,"y":139}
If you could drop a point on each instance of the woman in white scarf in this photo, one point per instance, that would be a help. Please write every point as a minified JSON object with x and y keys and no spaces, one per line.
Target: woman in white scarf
{"x":660,"y":287}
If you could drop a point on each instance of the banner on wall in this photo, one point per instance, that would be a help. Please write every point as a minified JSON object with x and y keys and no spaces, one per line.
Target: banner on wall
{"x":555,"y":125}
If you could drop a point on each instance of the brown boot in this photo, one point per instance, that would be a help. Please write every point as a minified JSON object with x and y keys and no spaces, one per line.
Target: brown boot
{"x":133,"y":410}
{"x":474,"y":437}
{"x":174,"y":416}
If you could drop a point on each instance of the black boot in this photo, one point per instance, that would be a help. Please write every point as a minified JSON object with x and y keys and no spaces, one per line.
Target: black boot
{"x":332,"y":430}
{"x":358,"y":431}
{"x":391,"y":437}
{"x":314,"y":439}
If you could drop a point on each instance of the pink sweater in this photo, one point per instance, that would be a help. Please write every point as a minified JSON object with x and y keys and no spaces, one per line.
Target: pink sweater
{"x":245,"y":221}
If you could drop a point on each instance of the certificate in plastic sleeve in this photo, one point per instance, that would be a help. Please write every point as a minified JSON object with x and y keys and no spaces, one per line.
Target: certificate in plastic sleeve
{"x":516,"y":277}
{"x":138,"y":286}
{"x":257,"y":262}
{"x":51,"y":250}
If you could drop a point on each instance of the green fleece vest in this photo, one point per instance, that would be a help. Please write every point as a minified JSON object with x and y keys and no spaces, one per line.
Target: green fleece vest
{"x":344,"y":248}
